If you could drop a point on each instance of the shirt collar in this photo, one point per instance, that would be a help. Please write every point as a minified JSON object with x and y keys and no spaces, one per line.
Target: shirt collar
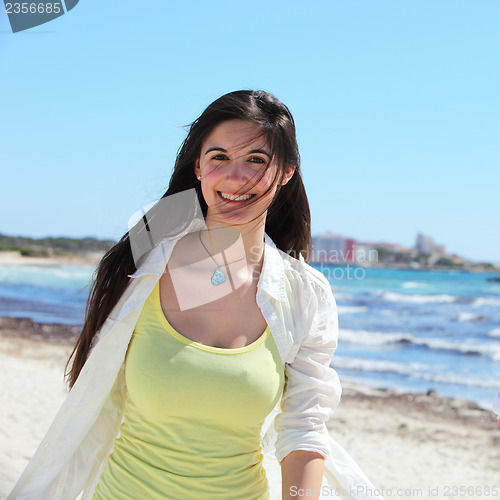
{"x":158,"y":257}
{"x":272,"y":276}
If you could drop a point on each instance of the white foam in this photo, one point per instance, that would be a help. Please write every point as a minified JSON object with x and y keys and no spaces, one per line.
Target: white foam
{"x":351,"y":309}
{"x":373,"y":338}
{"x":416,"y":371}
{"x":494,"y":333}
{"x":390,"y":312}
{"x":486,"y":301}
{"x":465,"y":346}
{"x":416,"y":298}
{"x":464,"y":317}
{"x":372,"y":365}
{"x":73,"y":276}
{"x":339,"y":296}
{"x":415,"y":284}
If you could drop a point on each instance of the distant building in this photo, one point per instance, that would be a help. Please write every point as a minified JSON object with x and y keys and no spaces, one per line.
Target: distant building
{"x":332,"y":248}
{"x":349,"y":247}
{"x":365,"y":252}
{"x":327,"y":247}
{"x":425,"y":244}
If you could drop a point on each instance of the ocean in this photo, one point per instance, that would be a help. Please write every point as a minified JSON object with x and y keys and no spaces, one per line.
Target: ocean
{"x":417,"y":330}
{"x":410,"y":330}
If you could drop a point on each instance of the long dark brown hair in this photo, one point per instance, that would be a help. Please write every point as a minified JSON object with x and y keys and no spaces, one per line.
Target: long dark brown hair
{"x":288,"y":218}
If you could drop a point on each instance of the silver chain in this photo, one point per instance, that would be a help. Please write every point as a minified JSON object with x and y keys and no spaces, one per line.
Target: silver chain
{"x":227,"y":263}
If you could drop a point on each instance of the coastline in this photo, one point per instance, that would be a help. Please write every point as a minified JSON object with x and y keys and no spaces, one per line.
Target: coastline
{"x":476,"y":269}
{"x":13,"y":258}
{"x":400,"y":440}
{"x":16,"y":259}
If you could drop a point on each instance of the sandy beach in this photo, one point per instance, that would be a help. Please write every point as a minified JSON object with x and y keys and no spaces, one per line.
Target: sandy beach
{"x":409,"y":445}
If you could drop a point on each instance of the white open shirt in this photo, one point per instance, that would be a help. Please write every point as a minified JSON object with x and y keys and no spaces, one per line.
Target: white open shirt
{"x":298,"y":305}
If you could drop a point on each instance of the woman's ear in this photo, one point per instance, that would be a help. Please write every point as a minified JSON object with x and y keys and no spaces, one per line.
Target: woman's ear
{"x":289,"y":171}
{"x":197,"y":167}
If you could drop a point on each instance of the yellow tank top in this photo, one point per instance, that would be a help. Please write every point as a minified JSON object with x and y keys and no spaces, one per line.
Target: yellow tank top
{"x":193,"y":416}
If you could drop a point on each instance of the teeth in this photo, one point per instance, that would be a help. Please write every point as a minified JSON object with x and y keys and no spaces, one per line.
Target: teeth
{"x":234,"y":197}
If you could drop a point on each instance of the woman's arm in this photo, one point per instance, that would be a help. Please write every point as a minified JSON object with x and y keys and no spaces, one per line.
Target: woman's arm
{"x":301,"y":475}
{"x":312,"y":387}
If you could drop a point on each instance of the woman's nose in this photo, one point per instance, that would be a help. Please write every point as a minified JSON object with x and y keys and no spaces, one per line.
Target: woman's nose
{"x":236,"y":170}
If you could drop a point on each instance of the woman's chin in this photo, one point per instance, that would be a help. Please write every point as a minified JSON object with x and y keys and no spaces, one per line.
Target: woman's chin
{"x":230,"y":218}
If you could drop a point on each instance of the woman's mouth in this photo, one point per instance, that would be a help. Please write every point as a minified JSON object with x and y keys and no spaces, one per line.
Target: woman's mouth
{"x":234,"y":198}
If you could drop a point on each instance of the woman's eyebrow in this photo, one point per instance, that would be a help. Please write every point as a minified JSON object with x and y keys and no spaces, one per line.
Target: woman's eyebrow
{"x":215,"y":149}
{"x":261,"y":151}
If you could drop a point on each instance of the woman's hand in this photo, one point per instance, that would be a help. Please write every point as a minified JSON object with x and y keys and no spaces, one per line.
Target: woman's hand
{"x":301,"y":475}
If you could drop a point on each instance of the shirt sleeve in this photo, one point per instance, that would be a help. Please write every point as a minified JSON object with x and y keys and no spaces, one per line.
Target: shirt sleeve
{"x":312,"y":390}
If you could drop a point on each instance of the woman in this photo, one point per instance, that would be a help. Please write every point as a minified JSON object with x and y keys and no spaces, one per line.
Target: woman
{"x":206,"y":348}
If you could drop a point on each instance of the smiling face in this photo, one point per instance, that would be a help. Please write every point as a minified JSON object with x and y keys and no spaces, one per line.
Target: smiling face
{"x":236,"y":173}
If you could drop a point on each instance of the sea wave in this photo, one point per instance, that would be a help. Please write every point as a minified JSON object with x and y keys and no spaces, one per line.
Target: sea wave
{"x":64,"y":276}
{"x":494,"y":333}
{"x":419,"y":371}
{"x":340,"y":296}
{"x":392,"y":312}
{"x":465,"y":317}
{"x":367,"y":338}
{"x":486,"y":301}
{"x":415,"y":284}
{"x":351,"y":309}
{"x":416,"y":298}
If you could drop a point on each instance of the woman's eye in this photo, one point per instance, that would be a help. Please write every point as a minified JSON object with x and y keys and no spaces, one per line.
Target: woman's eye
{"x":219,"y":157}
{"x":256,"y":159}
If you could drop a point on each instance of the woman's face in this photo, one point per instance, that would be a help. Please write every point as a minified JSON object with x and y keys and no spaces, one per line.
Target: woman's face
{"x":233,"y":158}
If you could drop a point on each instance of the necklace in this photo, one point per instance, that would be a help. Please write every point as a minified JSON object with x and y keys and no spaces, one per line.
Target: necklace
{"x":218,"y":277}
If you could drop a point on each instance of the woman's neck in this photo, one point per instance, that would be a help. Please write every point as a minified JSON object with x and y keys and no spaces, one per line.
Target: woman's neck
{"x":218,"y":238}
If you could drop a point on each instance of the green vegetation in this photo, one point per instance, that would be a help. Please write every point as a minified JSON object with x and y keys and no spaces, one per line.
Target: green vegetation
{"x":384,"y":254}
{"x":48,"y":247}
{"x":422,"y":258}
{"x":445,"y":261}
{"x":486,"y":264}
{"x":404,"y":258}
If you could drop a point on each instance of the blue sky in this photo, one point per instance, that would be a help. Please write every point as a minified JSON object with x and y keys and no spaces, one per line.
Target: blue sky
{"x":397,"y":108}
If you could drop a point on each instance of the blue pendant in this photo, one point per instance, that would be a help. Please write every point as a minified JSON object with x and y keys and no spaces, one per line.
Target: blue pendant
{"x":218,"y":277}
